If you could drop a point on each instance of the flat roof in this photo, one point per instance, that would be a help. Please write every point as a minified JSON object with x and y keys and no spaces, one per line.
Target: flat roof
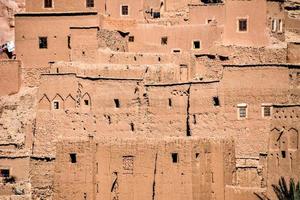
{"x":54,"y":14}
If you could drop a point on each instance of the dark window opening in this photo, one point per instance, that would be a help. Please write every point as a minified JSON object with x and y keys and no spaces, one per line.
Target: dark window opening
{"x":196,"y":44}
{"x":83,"y":53}
{"x":197,"y":155}
{"x":69,"y":42}
{"x":175,"y":157}
{"x":43,"y":42}
{"x":124,"y":10}
{"x":131,"y":38}
{"x":164,"y":40}
{"x":57,"y":70}
{"x":170,"y":102}
{"x":194,"y":119}
{"x":73,"y":158}
{"x":86,"y":102}
{"x":242,"y":25}
{"x":216,"y":101}
{"x":117,"y":103}
{"x":4,"y":173}
{"x":156,"y":14}
{"x":85,"y":196}
{"x":56,"y":105}
{"x":47,"y":3}
{"x":176,"y":50}
{"x":89,"y":3}
{"x":132,"y":126}
{"x":283,"y":154}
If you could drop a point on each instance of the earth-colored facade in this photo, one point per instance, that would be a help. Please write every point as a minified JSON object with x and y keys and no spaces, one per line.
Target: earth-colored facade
{"x":150,"y":99}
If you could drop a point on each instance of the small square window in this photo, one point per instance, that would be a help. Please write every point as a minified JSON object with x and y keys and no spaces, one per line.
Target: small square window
{"x":86,"y":102}
{"x":196,"y":44}
{"x":56,"y":105}
{"x":174,"y":157}
{"x":73,"y":157}
{"x":131,"y":38}
{"x":164,"y":40}
{"x":170,"y":102}
{"x":117,"y":103}
{"x":156,"y":15}
{"x":216,"y":101}
{"x":89,"y":3}
{"x":242,"y":111}
{"x":243,"y":25}
{"x":47,"y":3}
{"x":4,"y":173}
{"x":266,"y":111}
{"x":43,"y":42}
{"x":124,"y":10}
{"x":209,"y":21}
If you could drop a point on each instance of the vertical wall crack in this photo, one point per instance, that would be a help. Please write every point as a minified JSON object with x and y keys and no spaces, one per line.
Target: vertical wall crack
{"x":154,"y":176}
{"x":188,"y":129}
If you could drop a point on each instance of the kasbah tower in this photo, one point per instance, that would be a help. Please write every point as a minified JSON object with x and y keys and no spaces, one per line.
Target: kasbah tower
{"x":148,"y":99}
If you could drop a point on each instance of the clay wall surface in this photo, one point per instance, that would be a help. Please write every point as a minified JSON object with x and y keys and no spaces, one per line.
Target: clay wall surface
{"x":135,"y":9}
{"x":256,"y":34}
{"x":293,"y":52}
{"x":62,"y":6}
{"x":179,"y":37}
{"x":55,"y":28}
{"x":275,"y":12}
{"x":139,"y":169}
{"x":200,"y":14}
{"x":10,"y":81}
{"x":254,"y":87}
{"x":284,"y":140}
{"x":149,"y":106}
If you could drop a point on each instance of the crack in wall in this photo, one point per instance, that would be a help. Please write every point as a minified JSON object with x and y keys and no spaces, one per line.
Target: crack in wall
{"x":154,"y":176}
{"x":188,"y":129}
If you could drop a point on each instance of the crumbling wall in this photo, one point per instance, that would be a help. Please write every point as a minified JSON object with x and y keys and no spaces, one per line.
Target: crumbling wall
{"x":114,"y":40}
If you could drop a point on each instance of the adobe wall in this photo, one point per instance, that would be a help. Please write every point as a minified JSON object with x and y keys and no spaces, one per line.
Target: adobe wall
{"x":200,"y":14}
{"x":254,"y":87}
{"x":62,"y":6}
{"x":284,"y":140}
{"x":179,"y":37}
{"x":142,"y":169}
{"x":10,"y":77}
{"x":275,"y":12}
{"x":256,"y":35}
{"x":293,"y":52}
{"x":56,"y":28}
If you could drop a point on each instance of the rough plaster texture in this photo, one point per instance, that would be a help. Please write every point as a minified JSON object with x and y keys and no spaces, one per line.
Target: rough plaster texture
{"x":130,"y":94}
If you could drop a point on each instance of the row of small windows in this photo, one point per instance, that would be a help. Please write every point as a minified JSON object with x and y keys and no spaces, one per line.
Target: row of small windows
{"x":243,"y":111}
{"x":50,"y":4}
{"x":196,"y":44}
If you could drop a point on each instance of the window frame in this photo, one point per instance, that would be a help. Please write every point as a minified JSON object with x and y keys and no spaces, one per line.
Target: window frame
{"x":88,"y":4}
{"x":263,"y":106}
{"x":121,"y":10}
{"x":52,"y":4}
{"x":193,"y":44}
{"x":273,"y":25}
{"x":247,"y":24}
{"x":39,"y":42}
{"x":280,"y":26}
{"x":239,"y":107}
{"x":53,"y":105}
